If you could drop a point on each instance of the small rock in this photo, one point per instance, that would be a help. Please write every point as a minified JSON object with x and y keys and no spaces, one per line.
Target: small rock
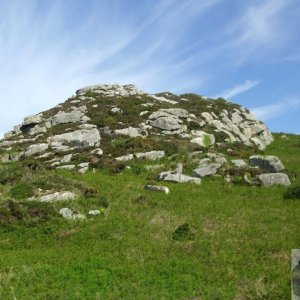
{"x":239,"y":163}
{"x":164,"y":189}
{"x":177,"y":177}
{"x":94,"y":212}
{"x":208,"y":170}
{"x":125,"y":157}
{"x":116,"y":110}
{"x":98,"y":152}
{"x":67,"y":213}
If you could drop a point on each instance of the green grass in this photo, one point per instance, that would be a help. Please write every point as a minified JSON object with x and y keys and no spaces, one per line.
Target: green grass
{"x":237,"y":245}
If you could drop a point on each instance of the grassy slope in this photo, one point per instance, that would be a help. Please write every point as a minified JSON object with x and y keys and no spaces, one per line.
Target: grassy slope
{"x":243,"y":237}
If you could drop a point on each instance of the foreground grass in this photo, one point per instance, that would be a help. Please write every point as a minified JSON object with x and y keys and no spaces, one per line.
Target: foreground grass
{"x":241,"y":250}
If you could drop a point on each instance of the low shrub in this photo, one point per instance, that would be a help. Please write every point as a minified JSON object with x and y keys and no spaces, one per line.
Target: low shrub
{"x":22,"y":191}
{"x":183,"y":233}
{"x":292,"y":192}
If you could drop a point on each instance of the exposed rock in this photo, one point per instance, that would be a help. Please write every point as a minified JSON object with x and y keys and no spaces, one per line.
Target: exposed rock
{"x":151,"y":155}
{"x":164,"y":189}
{"x":208,"y":170}
{"x":169,"y":123}
{"x":58,"y":196}
{"x":78,"y":138}
{"x":66,"y":158}
{"x":202,"y":138}
{"x":74,"y":116}
{"x":221,"y":160}
{"x":125,"y":157}
{"x":94,"y":212}
{"x":179,"y":168}
{"x":116,"y":110}
{"x":35,"y":149}
{"x":67,"y":213}
{"x":274,"y":179}
{"x":269,"y":163}
{"x":239,"y":163}
{"x":83,"y":170}
{"x":98,"y":152}
{"x":37,"y":130}
{"x":178,"y":112}
{"x":163,"y":99}
{"x":66,"y":167}
{"x":154,"y":167}
{"x":132,"y":132}
{"x":178,"y":177}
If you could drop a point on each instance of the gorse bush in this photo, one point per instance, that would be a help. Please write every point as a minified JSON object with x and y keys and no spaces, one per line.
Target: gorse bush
{"x":292,"y":192}
{"x":183,"y":233}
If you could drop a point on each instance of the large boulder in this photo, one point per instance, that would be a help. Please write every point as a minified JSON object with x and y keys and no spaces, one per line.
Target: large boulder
{"x":268,"y":163}
{"x":36,"y":149}
{"x":274,"y":179}
{"x":78,"y":138}
{"x":74,"y":116}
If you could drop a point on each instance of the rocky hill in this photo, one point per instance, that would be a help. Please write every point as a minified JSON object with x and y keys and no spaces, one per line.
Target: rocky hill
{"x":103,"y":125}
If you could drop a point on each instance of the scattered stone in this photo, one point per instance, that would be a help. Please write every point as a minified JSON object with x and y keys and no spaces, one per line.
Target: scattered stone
{"x":177,"y":177}
{"x":164,"y":189}
{"x":269,"y":163}
{"x":274,"y":179}
{"x":208,"y":170}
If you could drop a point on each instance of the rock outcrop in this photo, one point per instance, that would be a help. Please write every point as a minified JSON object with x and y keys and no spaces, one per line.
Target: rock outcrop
{"x":132,"y":125}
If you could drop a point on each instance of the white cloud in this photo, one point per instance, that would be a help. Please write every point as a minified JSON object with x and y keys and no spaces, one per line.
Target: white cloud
{"x":274,"y":110}
{"x":238,"y":89}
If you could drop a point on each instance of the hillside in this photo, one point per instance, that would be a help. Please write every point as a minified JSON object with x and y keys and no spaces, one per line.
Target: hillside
{"x":212,"y":223}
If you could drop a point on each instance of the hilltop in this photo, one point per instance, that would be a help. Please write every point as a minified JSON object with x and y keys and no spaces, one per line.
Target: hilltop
{"x":120,"y":194}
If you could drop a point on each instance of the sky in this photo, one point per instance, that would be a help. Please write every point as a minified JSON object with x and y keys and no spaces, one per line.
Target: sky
{"x":247,"y":51}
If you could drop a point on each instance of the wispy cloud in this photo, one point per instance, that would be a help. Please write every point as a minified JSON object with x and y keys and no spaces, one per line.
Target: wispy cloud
{"x":271,"y":111}
{"x":238,"y":89}
{"x":48,"y":50}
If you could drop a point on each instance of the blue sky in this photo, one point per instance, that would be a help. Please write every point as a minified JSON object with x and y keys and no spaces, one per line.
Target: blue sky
{"x":244,"y":50}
